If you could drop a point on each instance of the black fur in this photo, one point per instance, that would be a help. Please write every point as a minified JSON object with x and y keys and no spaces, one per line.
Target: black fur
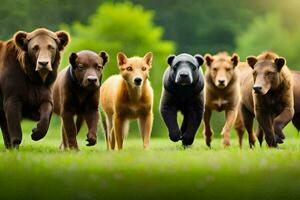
{"x":184,"y":95}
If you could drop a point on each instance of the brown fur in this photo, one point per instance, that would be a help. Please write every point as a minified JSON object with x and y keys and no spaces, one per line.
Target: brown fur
{"x":244,"y":70}
{"x":28,"y":68}
{"x":122,"y":99}
{"x":221,"y":92}
{"x":271,"y":87}
{"x":76,"y":93}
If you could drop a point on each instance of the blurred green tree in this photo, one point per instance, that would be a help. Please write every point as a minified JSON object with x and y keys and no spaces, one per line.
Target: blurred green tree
{"x":30,"y":14}
{"x":127,"y":28}
{"x":270,"y":33}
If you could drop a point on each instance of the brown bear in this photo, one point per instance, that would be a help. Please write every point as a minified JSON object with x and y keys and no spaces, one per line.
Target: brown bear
{"x":222,"y":92}
{"x":76,"y":92}
{"x":267,"y":94}
{"x":28,"y":68}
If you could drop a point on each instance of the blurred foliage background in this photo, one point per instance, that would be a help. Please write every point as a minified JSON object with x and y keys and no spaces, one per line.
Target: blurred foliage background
{"x":247,"y":27}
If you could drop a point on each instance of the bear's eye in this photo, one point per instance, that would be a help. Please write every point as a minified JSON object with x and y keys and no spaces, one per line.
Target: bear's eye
{"x":36,"y":48}
{"x":99,"y":67}
{"x":269,"y":73}
{"x":129,"y":68}
{"x":214,"y":69}
{"x":50,"y":47}
{"x":80,"y":67}
{"x":194,"y":68}
{"x":144,"y":68}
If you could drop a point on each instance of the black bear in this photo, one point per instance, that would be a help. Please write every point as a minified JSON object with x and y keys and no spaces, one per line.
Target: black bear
{"x":183,"y":85}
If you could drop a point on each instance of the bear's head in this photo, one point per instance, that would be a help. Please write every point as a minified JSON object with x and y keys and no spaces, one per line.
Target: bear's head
{"x":87,"y":67}
{"x":221,"y":68}
{"x":135,"y":70}
{"x":267,"y":68}
{"x":184,"y":68}
{"x":39,"y":50}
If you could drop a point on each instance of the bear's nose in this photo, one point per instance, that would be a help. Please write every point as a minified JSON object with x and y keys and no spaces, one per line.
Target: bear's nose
{"x":221,"y":82}
{"x":92,"y":79}
{"x":43,"y":63}
{"x":138,"y":81}
{"x":257,"y":89}
{"x":184,"y":75}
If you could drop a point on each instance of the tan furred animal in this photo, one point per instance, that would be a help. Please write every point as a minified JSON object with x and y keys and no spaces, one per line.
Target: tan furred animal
{"x":221,"y":92}
{"x":128,"y":96}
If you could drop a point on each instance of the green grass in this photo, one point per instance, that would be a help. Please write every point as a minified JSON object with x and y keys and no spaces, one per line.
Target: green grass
{"x":39,"y":170}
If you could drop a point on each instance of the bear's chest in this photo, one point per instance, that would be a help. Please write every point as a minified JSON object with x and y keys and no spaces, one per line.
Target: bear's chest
{"x":133,"y":110}
{"x":32,"y":100}
{"x":219,"y":104}
{"x":34,"y":96}
{"x":272,"y":104}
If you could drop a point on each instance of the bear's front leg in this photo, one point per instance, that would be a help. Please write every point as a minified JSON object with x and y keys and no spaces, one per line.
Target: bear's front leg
{"x":92,"y":118}
{"x":13,"y":112}
{"x":230,"y":119}
{"x":145,"y":125}
{"x":70,"y":129}
{"x":265,"y":122}
{"x":281,"y":121}
{"x":118,"y":130}
{"x":193,"y":119}
{"x":42,"y":127}
{"x":169,"y":115}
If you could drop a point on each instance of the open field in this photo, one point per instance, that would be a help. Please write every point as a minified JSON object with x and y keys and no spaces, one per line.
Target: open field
{"x":39,"y":170}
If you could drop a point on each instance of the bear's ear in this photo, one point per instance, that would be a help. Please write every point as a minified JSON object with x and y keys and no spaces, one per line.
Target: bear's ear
{"x":170,"y":59}
{"x":122,"y":58}
{"x":148,"y":58}
{"x":200,"y":59}
{"x":235,"y":59}
{"x":72,"y":59}
{"x":208,"y":59}
{"x":21,"y":40}
{"x":63,"y":38}
{"x":104,"y":57}
{"x":279,"y":62}
{"x":251,"y":60}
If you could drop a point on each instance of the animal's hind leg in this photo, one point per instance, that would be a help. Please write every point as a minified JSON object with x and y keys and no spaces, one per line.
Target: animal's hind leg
{"x":183,"y":125}
{"x":64,"y":143}
{"x":296,"y":121}
{"x":239,"y":128}
{"x":208,"y":133}
{"x":3,"y":124}
{"x":260,"y":135}
{"x":107,"y":125}
{"x":247,"y":119}
{"x":112,"y":139}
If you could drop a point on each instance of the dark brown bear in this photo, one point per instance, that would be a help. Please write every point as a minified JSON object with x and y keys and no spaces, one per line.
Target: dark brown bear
{"x":267,"y":94}
{"x":77,"y":92}
{"x":28,"y":68}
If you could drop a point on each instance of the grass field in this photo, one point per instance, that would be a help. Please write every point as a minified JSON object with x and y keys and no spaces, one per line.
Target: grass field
{"x":39,"y":170}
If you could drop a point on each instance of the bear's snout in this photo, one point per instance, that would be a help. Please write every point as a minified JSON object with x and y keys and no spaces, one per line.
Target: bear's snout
{"x":92,"y":79}
{"x":184,"y":77}
{"x":257,"y":89}
{"x":138,"y":81}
